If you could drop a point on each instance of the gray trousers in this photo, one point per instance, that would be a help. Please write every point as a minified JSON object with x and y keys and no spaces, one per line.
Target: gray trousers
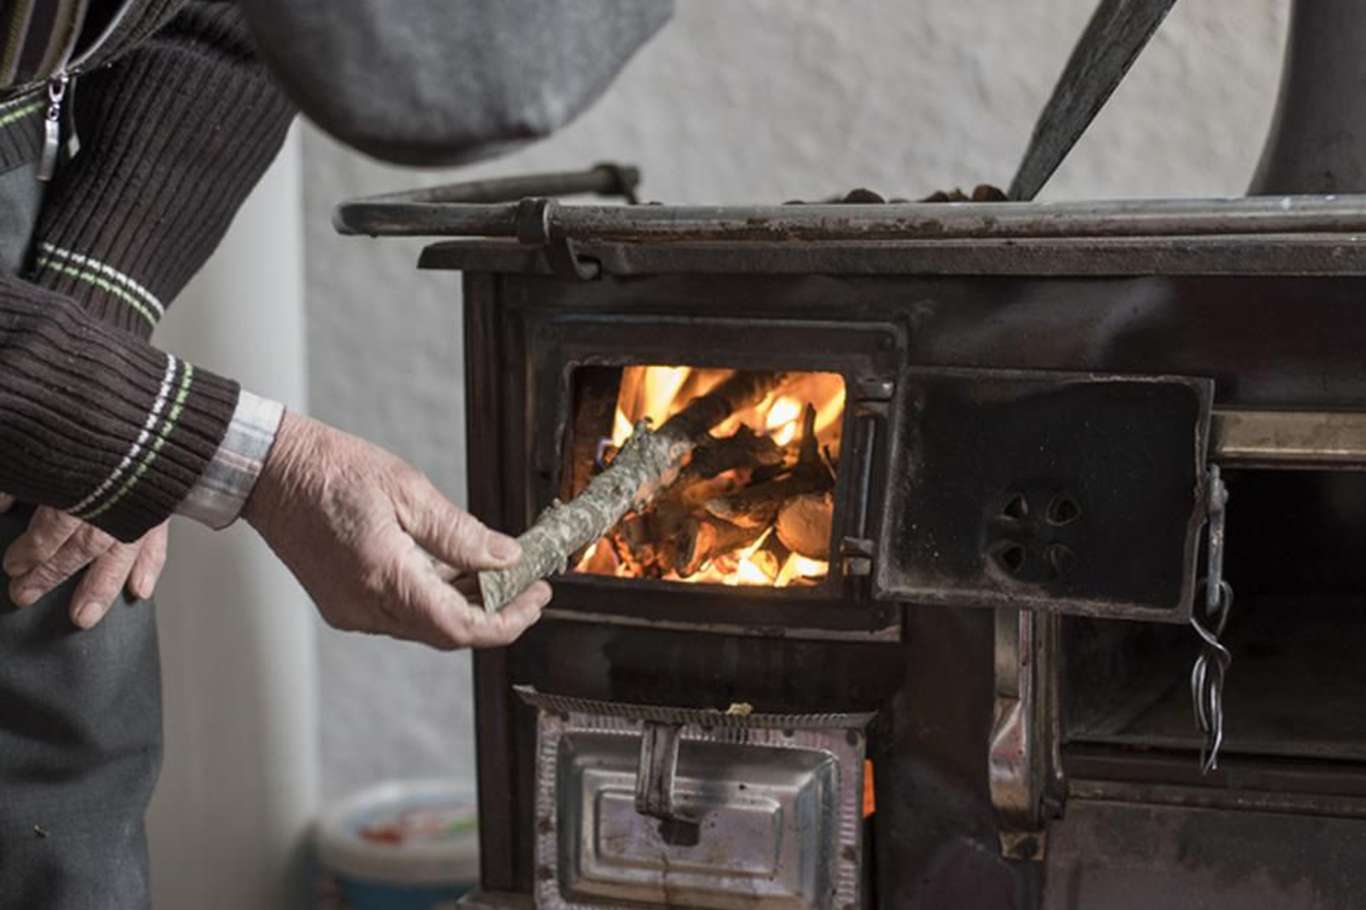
{"x":80,"y":716}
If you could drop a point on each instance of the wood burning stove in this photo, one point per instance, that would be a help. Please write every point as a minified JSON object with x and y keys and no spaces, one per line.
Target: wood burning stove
{"x":1021,"y":407}
{"x":954,"y":627}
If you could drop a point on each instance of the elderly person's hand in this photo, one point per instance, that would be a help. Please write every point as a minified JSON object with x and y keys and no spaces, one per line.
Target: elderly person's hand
{"x":56,"y":546}
{"x":377,"y":546}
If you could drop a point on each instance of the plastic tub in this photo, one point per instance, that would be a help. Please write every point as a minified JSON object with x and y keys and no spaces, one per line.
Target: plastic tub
{"x":401,"y":845}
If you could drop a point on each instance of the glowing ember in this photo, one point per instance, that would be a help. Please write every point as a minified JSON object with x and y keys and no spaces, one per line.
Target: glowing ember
{"x":719,"y":523}
{"x":798,"y":566}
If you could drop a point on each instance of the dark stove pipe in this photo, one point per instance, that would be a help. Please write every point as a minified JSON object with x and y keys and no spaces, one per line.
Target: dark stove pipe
{"x":1317,"y":140}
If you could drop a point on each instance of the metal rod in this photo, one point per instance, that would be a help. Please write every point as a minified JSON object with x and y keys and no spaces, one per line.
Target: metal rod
{"x":1289,"y":439}
{"x":412,"y":214}
{"x":601,"y":179}
{"x":1113,"y":39}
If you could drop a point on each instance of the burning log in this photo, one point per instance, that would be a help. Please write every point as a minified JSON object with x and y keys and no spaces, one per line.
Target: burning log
{"x":770,"y":557}
{"x":707,"y":538}
{"x":746,"y":449}
{"x":648,"y":462}
{"x":758,"y":506}
{"x":804,"y":524}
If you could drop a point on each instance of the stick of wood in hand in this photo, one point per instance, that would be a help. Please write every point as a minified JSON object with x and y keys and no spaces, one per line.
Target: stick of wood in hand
{"x":648,"y":462}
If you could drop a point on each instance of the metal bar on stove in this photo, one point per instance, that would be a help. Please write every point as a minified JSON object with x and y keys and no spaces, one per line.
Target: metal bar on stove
{"x":422,"y":213}
{"x":1289,"y":439}
{"x":1303,"y":254}
{"x":383,"y":214}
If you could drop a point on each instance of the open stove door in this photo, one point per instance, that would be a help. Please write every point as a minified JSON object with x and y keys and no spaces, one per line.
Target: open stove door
{"x":1078,"y":493}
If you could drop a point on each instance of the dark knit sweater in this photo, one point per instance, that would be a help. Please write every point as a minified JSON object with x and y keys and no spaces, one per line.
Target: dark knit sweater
{"x":177,"y":121}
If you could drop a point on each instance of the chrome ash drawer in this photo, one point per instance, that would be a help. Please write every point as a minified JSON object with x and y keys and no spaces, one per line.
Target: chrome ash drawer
{"x":655,"y":806}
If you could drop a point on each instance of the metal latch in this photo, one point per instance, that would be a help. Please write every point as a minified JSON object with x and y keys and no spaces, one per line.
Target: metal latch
{"x":1207,"y":675}
{"x":534,"y":217}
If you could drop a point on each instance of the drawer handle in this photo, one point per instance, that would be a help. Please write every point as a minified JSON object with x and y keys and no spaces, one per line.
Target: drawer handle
{"x":655,"y":773}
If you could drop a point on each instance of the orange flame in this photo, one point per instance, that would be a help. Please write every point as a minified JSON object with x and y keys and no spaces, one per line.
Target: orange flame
{"x":656,"y":393}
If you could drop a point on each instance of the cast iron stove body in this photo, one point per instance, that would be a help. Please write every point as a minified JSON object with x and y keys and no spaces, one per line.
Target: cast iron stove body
{"x":997,"y":662}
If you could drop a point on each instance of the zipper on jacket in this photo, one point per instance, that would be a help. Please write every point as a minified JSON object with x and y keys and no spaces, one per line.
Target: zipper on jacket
{"x":61,"y":88}
{"x":57,"y":88}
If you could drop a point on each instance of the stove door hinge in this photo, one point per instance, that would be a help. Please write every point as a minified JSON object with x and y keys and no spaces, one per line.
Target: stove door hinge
{"x":871,"y":397}
{"x":856,"y":557}
{"x":535,"y":222}
{"x":1023,"y":760}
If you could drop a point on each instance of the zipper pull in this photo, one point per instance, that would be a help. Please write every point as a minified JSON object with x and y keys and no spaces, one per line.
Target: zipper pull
{"x":73,"y":141}
{"x":52,"y":126}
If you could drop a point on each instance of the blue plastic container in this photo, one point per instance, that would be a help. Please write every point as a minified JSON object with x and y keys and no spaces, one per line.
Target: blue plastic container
{"x":402,"y":845}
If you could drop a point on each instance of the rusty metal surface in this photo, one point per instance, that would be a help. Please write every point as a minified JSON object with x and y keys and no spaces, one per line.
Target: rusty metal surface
{"x":1283,"y":254}
{"x":601,"y":179}
{"x":1024,"y":761}
{"x":938,"y":221}
{"x":680,"y":716}
{"x":1116,"y":34}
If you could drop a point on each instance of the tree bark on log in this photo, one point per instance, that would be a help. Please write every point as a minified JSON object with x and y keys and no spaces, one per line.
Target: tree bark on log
{"x":648,"y":462}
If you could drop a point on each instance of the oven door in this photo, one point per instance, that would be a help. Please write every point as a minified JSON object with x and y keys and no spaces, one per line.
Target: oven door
{"x":1079,"y":493}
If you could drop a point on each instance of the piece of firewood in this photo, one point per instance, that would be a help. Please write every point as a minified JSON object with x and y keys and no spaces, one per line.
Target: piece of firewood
{"x":804,"y":524}
{"x":648,"y":462}
{"x":770,"y":557}
{"x":707,"y":538}
{"x":758,"y":505}
{"x":743,"y":449}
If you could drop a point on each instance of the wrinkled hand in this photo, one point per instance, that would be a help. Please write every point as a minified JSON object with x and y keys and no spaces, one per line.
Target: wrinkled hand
{"x":356,"y":525}
{"x":56,"y":546}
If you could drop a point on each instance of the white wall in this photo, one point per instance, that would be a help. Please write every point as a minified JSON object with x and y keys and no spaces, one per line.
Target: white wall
{"x":744,"y":101}
{"x":238,"y":787}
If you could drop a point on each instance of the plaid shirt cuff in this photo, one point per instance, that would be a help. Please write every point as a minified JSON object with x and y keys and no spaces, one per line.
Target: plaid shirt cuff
{"x":217,"y":499}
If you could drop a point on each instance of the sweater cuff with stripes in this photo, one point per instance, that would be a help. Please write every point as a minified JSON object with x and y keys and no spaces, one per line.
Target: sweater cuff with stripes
{"x":96,"y":422}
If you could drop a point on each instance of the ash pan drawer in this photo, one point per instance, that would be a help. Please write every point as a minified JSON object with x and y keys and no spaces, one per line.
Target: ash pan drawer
{"x":656,"y":806}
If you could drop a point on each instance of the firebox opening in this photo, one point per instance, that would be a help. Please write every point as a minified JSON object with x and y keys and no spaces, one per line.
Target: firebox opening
{"x":754,"y":503}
